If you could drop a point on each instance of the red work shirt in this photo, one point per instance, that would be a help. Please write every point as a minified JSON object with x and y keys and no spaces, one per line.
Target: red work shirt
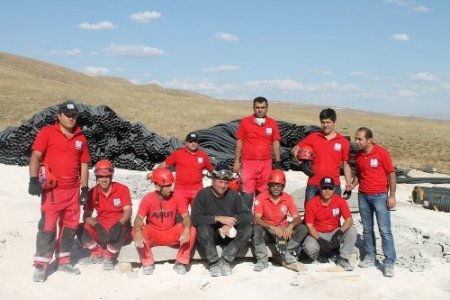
{"x":109,"y":209}
{"x":275,"y":213}
{"x":329,"y":155}
{"x":189,"y":168}
{"x":257,"y":140}
{"x":62,"y":154}
{"x":373,"y":169}
{"x":326,"y":218}
{"x":160,"y":213}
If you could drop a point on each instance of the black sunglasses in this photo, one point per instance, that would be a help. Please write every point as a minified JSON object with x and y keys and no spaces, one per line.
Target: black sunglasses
{"x":328,"y":188}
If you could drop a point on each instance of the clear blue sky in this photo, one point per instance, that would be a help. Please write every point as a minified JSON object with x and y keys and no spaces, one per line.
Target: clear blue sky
{"x":388,"y":56}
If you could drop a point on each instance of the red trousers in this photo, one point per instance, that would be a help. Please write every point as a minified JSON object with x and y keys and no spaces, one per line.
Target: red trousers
{"x":255,"y":175}
{"x":155,"y":237}
{"x":187,"y":195}
{"x":94,"y":247}
{"x":59,"y":210}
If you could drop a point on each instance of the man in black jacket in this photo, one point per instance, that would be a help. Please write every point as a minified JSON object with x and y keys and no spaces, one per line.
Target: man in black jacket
{"x":222,"y":218}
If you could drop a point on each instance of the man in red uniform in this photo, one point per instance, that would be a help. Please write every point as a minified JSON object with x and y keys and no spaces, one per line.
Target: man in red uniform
{"x":189,"y":162}
{"x":256,"y":137}
{"x":159,"y":209}
{"x":63,"y":148}
{"x":271,"y":224}
{"x":322,"y":218}
{"x":376,"y":175}
{"x":105,"y":234}
{"x":331,"y":150}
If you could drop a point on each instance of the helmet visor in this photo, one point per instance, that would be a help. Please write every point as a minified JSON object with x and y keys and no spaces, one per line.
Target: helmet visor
{"x":223,"y":174}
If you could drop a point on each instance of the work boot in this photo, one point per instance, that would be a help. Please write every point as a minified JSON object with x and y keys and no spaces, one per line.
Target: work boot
{"x":289,"y":258}
{"x":214,"y":269}
{"x":69,"y":269}
{"x":260,"y":265}
{"x":148,"y":270}
{"x":225,"y":268}
{"x":388,"y":271}
{"x":108,"y":265}
{"x":39,"y":274}
{"x":91,"y":260}
{"x":180,"y":268}
{"x":344,"y":264}
{"x":367,"y":262}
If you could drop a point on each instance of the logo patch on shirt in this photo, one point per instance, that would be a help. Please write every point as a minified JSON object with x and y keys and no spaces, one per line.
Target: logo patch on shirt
{"x":269,"y":131}
{"x":337,"y":147}
{"x":200,"y":160}
{"x":117,"y":202}
{"x":284,"y":209}
{"x":78,"y":145}
{"x":335,"y":212}
{"x":374,"y":162}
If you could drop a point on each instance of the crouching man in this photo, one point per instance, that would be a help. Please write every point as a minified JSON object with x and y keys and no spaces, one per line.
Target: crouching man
{"x":105,"y":234}
{"x":221,"y":217}
{"x":159,"y":209}
{"x":271,"y":224}
{"x":322,"y":217}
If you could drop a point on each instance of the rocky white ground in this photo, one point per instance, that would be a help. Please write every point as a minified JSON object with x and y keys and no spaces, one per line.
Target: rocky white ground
{"x":422,"y":240}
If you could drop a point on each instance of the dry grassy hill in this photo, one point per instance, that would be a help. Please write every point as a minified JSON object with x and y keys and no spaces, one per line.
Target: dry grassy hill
{"x":28,"y":86}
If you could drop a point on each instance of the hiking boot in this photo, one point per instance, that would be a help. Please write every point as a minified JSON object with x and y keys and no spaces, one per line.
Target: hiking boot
{"x":69,"y":269}
{"x":388,"y":271}
{"x":344,"y":264}
{"x":260,"y":265}
{"x":367,"y":262}
{"x":148,"y":270}
{"x":289,"y":258}
{"x":180,"y":268}
{"x":214,"y":269}
{"x":39,"y":274}
{"x":108,"y":265}
{"x":225,"y":268}
{"x":91,"y":260}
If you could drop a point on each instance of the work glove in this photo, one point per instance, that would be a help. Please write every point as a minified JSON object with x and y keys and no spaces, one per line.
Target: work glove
{"x":324,"y":246}
{"x":102,"y":236}
{"x":114,"y":232}
{"x":277,"y":165}
{"x":347,"y":194}
{"x":34,"y":187}
{"x":306,"y":167}
{"x":337,"y":239}
{"x":84,"y":195}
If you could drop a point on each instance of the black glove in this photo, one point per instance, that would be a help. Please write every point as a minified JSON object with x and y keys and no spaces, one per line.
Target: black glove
{"x":114,"y":232}
{"x":347,"y":194}
{"x":102,"y":236}
{"x":306,"y":167}
{"x":324,"y":246}
{"x":277,"y":165}
{"x":34,"y":187}
{"x":84,"y":195}
{"x":337,"y":239}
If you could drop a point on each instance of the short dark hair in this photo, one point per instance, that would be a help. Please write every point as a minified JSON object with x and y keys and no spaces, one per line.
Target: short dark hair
{"x":260,"y":100}
{"x":328,"y":113}
{"x":367,"y":132}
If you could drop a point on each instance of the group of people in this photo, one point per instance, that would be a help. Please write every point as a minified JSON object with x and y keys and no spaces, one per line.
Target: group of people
{"x":181,"y":212}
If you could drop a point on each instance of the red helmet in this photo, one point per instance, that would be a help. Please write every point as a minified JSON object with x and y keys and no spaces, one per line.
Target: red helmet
{"x":46,"y":178}
{"x":235,"y":184}
{"x":162,"y":177}
{"x":306,"y":153}
{"x":277,"y":176}
{"x":103,"y":168}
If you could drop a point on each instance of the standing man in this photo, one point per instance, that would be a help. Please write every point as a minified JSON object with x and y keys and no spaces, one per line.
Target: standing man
{"x":63,"y":149}
{"x":105,"y":234}
{"x":159,"y":209}
{"x":322,"y":218}
{"x":331,"y":150}
{"x":190,"y":162}
{"x":256,"y":137}
{"x":375,"y":175}
{"x":221,"y":218}
{"x":271,"y":224}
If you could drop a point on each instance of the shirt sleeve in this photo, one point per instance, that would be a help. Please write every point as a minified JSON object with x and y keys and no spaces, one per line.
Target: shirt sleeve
{"x":309,"y":212}
{"x":144,"y":206}
{"x":345,"y":210}
{"x":387,"y":162}
{"x":41,"y":141}
{"x":171,"y":159}
{"x":240,"y":131}
{"x":126,"y":196}
{"x":276,"y":132}
{"x":292,"y":208}
{"x":85,"y":157}
{"x":346,"y":150}
{"x":244,"y":215}
{"x":198,"y":212}
{"x":208,"y":165}
{"x":305,"y":141}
